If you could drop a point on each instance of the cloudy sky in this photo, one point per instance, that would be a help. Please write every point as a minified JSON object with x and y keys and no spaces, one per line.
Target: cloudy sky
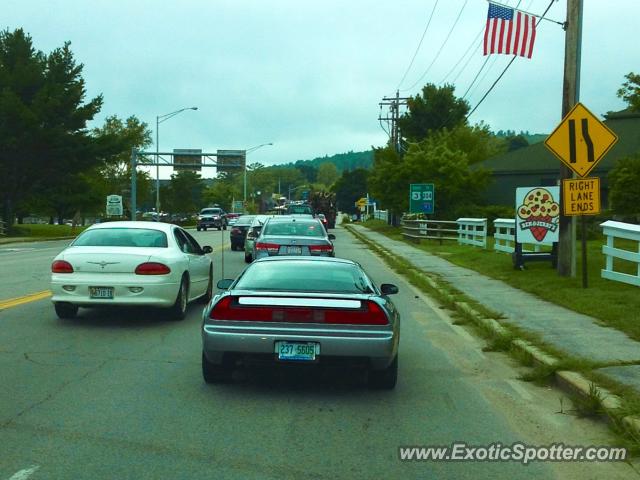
{"x":308,"y":76}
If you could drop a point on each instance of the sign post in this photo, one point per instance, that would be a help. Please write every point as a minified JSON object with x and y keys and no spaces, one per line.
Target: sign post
{"x":421,"y":198}
{"x":580,"y":142}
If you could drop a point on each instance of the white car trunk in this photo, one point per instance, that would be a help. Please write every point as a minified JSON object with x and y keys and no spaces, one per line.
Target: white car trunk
{"x":107,"y":259}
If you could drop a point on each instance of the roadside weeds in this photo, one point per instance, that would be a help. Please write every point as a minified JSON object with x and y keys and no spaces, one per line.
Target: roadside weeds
{"x":591,"y":393}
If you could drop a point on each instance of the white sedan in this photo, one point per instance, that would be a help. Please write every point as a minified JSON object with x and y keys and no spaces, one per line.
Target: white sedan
{"x":131,"y":263}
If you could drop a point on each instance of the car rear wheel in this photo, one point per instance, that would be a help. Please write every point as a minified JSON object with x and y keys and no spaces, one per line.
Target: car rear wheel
{"x":198,"y":228}
{"x":179,"y":309}
{"x":224,"y":227}
{"x":384,"y":379}
{"x":213,"y":373}
{"x":65,"y":310}
{"x":247,"y":258}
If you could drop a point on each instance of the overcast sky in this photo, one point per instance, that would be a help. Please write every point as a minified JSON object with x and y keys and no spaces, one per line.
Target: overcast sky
{"x":308,"y":76}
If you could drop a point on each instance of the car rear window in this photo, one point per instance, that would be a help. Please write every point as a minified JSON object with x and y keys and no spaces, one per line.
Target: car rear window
{"x":299,"y":209}
{"x":211,"y":211}
{"x":301,"y":276}
{"x":302,"y":229}
{"x":121,"y":237}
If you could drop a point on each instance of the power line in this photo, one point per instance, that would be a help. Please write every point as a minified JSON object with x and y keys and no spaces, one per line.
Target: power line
{"x":507,"y":67}
{"x":441,"y":48}
{"x":463,"y":55}
{"x":419,"y":45}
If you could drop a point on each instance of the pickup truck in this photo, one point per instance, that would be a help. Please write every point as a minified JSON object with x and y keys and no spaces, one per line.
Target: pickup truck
{"x":212,"y":217}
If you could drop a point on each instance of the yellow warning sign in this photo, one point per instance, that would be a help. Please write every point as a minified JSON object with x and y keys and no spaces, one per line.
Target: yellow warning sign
{"x":362,"y":202}
{"x":581,"y":196}
{"x":581,"y":140}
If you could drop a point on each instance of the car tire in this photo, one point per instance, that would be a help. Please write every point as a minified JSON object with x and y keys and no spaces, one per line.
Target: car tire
{"x":247,"y":258}
{"x":224,"y":226}
{"x":384,"y":379}
{"x":206,"y":298}
{"x":65,"y":310}
{"x":179,"y":309}
{"x":198,"y":228}
{"x":213,"y":373}
{"x":204,"y":228}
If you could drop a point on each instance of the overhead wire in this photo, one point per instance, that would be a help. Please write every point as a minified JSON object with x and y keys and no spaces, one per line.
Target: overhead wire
{"x":419,"y":45}
{"x":462,"y":57}
{"x":440,"y":49}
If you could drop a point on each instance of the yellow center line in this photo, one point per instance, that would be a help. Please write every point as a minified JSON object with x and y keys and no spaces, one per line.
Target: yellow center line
{"x":14,"y":302}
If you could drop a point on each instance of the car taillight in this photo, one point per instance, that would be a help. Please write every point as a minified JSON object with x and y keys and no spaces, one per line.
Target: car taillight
{"x":267,"y":247}
{"x":230,"y":310}
{"x":152,"y":268}
{"x":320,"y":248}
{"x":61,"y":266}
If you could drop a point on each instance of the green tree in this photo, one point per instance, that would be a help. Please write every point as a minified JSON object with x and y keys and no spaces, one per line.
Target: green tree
{"x":184,"y":193}
{"x":437,"y":108}
{"x":350,"y":187}
{"x":442,"y":159}
{"x":43,"y":117}
{"x":630,"y":91}
{"x":624,"y":194}
{"x":327,"y":174}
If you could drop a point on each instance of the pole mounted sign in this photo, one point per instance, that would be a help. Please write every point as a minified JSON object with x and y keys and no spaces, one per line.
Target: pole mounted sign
{"x":581,"y":196}
{"x":581,"y":140}
{"x":114,"y":205}
{"x":421,"y":198}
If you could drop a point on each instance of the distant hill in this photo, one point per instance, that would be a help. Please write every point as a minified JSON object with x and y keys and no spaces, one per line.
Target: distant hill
{"x":342,"y":161}
{"x":530,"y":137}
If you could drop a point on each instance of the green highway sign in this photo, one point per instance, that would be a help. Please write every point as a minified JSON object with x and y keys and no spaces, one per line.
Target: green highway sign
{"x":421,"y":198}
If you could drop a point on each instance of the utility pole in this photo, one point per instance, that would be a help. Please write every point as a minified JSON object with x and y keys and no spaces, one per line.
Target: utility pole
{"x":394,"y":104}
{"x":570,"y":96}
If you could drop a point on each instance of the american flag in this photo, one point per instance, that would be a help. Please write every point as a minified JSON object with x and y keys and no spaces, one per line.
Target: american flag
{"x":509,"y":31}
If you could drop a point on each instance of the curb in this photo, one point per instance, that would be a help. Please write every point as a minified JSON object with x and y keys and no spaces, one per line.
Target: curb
{"x":568,"y":381}
{"x":9,"y":240}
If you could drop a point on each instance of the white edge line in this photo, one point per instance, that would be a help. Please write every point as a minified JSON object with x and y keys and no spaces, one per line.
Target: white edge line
{"x":25,"y":473}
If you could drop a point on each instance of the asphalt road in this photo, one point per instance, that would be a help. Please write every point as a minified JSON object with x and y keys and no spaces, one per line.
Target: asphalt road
{"x":119,"y":394}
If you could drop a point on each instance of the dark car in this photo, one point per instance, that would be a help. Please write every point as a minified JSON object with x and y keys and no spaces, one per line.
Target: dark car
{"x":293,"y":236}
{"x":212,"y":217}
{"x":239,"y":231}
{"x":305,"y":311}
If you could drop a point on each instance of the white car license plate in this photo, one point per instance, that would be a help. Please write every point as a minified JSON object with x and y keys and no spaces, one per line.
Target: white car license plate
{"x":101,"y":292}
{"x":297,"y":351}
{"x":294,"y":250}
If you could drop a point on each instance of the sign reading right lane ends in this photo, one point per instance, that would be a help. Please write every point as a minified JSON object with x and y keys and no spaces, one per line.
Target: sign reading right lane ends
{"x":581,"y":196}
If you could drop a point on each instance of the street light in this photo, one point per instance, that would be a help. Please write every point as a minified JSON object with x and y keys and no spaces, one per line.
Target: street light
{"x":159,"y":120}
{"x":249,"y":150}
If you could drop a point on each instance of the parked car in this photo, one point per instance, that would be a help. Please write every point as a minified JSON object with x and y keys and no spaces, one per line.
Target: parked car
{"x":212,"y":217}
{"x":323,"y":219}
{"x":302,"y":310}
{"x":239,"y":231}
{"x":131,"y":263}
{"x":252,"y":233}
{"x":293,"y":236}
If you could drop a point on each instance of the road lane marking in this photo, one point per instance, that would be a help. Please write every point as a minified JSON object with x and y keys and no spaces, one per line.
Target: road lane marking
{"x":25,"y":473}
{"x":14,"y":302}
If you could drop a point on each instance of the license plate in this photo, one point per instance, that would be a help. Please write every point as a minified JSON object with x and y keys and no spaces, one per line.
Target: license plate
{"x":294,"y":250}
{"x":101,"y":292}
{"x":297,"y":351}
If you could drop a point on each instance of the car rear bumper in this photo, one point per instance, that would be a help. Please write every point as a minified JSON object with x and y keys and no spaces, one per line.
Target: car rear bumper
{"x":377,"y":345}
{"x":152,"y":294}
{"x":209,"y":224}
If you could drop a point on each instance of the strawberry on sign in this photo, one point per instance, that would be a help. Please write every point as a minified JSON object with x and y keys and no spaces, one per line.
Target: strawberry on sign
{"x":537,"y":214}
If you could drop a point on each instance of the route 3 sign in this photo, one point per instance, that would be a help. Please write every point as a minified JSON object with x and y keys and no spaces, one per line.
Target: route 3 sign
{"x":581,"y":140}
{"x":421,"y":198}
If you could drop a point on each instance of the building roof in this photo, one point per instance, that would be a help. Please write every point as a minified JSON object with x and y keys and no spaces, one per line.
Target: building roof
{"x":537,"y":158}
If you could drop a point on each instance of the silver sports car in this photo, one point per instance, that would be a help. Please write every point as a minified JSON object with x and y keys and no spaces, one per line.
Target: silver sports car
{"x":303,"y":310}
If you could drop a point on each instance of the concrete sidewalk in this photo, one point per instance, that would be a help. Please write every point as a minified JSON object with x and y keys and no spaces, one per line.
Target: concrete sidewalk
{"x":573,"y":333}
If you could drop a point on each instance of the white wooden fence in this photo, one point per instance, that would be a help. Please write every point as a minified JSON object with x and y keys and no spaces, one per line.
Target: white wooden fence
{"x":620,"y":230}
{"x":381,"y":215}
{"x":2,"y":229}
{"x":430,"y":229}
{"x":505,"y":240}
{"x":472,"y":231}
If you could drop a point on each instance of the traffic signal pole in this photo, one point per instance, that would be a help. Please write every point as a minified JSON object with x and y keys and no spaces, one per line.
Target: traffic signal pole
{"x":570,"y":96}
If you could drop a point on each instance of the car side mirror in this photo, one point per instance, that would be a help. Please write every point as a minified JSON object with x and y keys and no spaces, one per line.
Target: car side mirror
{"x":224,"y":284}
{"x":207,"y":249}
{"x":332,"y":236}
{"x":388,"y":289}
